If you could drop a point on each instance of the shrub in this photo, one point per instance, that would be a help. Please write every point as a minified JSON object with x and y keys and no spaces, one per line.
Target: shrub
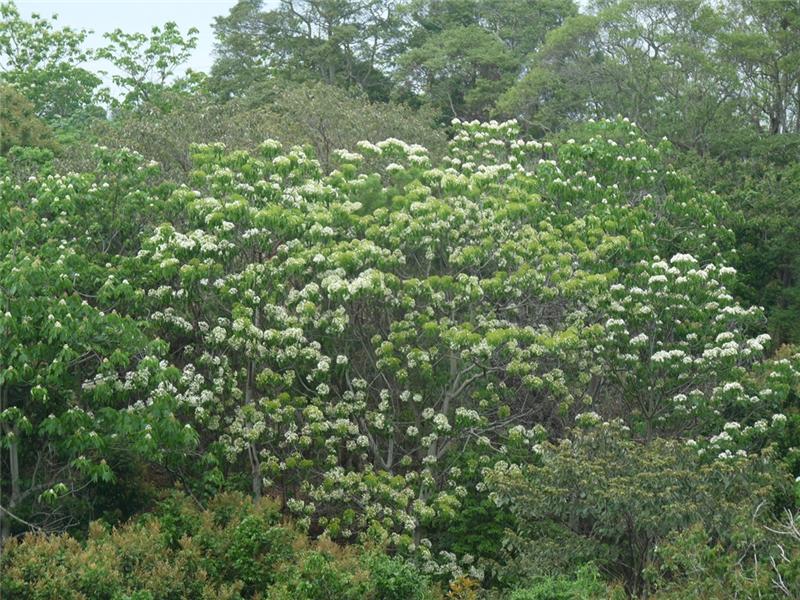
{"x":395,"y":579}
{"x":585,"y":585}
{"x":232,"y":550}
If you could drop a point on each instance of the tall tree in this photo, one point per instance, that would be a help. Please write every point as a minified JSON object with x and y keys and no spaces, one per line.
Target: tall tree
{"x":764,"y":46}
{"x":463,"y":54}
{"x":147,"y":63}
{"x":653,"y":61}
{"x":339,"y":42}
{"x":44,"y":62}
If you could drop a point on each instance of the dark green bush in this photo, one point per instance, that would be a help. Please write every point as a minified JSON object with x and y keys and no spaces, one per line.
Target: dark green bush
{"x":320,"y":576}
{"x":256,"y":550}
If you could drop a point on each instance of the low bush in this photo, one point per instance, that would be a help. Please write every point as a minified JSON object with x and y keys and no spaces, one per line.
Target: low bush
{"x":585,"y":585}
{"x":233,"y":549}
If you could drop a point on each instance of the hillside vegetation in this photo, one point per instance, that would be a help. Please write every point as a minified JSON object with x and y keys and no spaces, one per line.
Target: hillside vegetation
{"x":319,"y":327}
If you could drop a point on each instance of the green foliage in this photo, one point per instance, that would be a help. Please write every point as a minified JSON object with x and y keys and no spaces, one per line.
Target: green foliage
{"x":714,"y":78}
{"x":19,"y":125}
{"x":461,"y":55}
{"x":63,"y":323}
{"x":23,"y":162}
{"x":250,"y":541}
{"x":477,"y":530}
{"x":762,"y":561}
{"x":710,"y":76}
{"x":691,"y":563}
{"x":599,"y":496}
{"x":763,"y":41}
{"x":769,"y":261}
{"x":586,"y":585}
{"x":43,"y":63}
{"x":344,"y":338}
{"x":380,"y":334}
{"x":721,"y":81}
{"x":476,"y":62}
{"x":147,"y":63}
{"x":395,"y":578}
{"x":317,"y":577}
{"x":763,"y":184}
{"x":233,"y":550}
{"x":338,"y":43}
{"x":314,"y":114}
{"x":277,"y":400}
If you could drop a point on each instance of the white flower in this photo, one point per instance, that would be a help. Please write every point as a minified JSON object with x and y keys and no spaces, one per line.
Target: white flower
{"x":683,"y":258}
{"x":723,"y":436}
{"x":664,"y":355}
{"x":588,"y":418}
{"x":441,"y":422}
{"x":218,"y":335}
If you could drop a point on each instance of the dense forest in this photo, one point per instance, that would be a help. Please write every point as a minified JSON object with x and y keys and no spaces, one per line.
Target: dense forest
{"x":403,"y":300}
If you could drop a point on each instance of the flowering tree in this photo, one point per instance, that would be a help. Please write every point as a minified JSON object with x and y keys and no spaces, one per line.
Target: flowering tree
{"x":351,"y":335}
{"x":63,"y":321}
{"x":365,"y":342}
{"x":676,"y":347}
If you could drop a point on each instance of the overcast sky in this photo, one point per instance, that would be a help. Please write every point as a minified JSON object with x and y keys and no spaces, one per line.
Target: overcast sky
{"x":137,"y":15}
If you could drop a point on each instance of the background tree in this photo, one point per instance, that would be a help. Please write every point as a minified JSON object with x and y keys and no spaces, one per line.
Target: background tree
{"x":323,"y":117}
{"x":654,"y":62}
{"x":461,"y":55}
{"x":147,"y":63}
{"x":43,"y":63}
{"x":347,"y":43}
{"x":19,"y":125}
{"x":764,"y":44}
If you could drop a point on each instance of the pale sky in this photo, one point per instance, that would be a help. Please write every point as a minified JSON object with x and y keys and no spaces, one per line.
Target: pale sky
{"x":138,"y":15}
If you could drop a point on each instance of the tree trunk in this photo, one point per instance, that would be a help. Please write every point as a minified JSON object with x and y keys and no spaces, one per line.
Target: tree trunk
{"x":13,"y":463}
{"x":252,"y":450}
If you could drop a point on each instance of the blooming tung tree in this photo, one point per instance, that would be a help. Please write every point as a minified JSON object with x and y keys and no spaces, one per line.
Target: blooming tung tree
{"x":364,"y":342}
{"x":351,"y":334}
